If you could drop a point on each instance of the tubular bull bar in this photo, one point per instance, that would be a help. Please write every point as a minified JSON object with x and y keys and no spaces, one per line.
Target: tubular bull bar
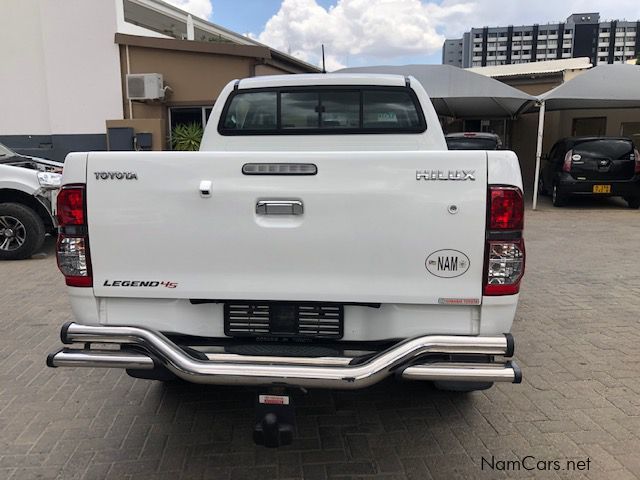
{"x":144,"y":349}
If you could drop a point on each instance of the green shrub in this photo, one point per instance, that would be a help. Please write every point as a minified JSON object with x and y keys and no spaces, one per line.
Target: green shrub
{"x":186,"y":136}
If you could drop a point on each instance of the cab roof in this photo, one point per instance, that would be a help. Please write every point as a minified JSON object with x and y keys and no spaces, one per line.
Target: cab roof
{"x":321,"y":79}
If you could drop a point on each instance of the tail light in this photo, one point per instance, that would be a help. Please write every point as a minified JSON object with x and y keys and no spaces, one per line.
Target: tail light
{"x":636,"y":155}
{"x":506,"y":208}
{"x":505,"y":251}
{"x":74,"y":259}
{"x":566,"y":166}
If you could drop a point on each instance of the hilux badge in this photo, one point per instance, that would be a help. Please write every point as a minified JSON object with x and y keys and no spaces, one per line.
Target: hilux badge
{"x":448,"y":175}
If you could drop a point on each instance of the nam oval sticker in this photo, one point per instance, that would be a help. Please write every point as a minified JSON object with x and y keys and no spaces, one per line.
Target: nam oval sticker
{"x":447,"y":263}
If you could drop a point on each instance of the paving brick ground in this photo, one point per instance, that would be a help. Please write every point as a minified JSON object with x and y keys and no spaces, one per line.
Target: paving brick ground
{"x":578,"y":341}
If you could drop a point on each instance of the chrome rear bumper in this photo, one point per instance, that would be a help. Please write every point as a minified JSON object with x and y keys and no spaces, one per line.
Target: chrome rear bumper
{"x":409,"y":359}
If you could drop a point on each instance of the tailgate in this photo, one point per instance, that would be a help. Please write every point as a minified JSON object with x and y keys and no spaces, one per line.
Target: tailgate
{"x":369,"y":231}
{"x":603,"y":159}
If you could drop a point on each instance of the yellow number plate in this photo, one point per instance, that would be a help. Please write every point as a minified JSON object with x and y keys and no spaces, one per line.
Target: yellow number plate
{"x":602,"y":189}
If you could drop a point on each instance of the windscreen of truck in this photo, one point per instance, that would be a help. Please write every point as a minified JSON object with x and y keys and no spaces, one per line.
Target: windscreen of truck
{"x":322,"y":111}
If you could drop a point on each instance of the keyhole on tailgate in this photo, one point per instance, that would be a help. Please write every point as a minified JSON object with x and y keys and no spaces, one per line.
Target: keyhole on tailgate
{"x":453,"y":209}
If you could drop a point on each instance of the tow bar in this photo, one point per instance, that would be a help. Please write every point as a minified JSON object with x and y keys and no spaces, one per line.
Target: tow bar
{"x":275,"y":419}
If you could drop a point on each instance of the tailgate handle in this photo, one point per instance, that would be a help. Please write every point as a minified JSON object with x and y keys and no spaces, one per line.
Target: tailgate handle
{"x":279,"y":207}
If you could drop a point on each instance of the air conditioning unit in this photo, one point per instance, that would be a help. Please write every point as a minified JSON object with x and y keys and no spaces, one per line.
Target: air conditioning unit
{"x":145,"y":86}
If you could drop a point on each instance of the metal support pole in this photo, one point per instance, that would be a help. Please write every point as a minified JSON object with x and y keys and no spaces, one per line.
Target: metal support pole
{"x":538,"y":153}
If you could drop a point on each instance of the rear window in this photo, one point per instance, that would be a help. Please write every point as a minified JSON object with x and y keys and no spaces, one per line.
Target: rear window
{"x":252,"y":111}
{"x":614,"y":149}
{"x":329,"y":111}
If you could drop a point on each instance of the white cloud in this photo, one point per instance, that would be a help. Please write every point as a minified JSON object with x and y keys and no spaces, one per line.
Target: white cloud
{"x":379,"y":29}
{"x":198,"y":8}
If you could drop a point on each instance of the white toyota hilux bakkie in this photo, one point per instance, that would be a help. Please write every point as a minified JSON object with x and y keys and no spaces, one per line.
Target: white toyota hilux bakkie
{"x":323,"y":237}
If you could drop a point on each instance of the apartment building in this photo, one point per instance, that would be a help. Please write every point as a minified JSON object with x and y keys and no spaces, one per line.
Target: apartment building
{"x":581,"y":35}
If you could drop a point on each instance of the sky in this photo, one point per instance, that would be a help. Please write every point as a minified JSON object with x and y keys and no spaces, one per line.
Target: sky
{"x":384,"y":32}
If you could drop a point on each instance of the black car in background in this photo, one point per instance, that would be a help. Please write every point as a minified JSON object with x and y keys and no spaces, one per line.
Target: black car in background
{"x":473,"y":141}
{"x":598,"y":166}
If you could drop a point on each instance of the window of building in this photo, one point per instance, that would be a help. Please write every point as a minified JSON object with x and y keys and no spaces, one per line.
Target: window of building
{"x":567,"y":31}
{"x":619,"y":29}
{"x":589,"y":126}
{"x":188,"y":115}
{"x":527,"y":33}
{"x":604,"y":30}
{"x":631,"y":129}
{"x":553,"y":32}
{"x":566,"y":50}
{"x":526,"y":52}
{"x":477,"y":35}
{"x":631,"y":29}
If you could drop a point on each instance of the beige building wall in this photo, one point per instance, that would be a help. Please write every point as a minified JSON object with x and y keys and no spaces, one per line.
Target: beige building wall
{"x":196,"y":72}
{"x":194,"y":78}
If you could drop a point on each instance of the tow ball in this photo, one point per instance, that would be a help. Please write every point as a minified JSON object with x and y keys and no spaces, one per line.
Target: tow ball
{"x":275,"y":420}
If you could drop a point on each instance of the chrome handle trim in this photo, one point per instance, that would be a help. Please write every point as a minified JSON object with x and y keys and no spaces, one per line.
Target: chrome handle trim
{"x":279,"y":207}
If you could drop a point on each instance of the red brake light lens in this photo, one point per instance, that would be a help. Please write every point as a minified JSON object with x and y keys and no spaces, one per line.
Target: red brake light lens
{"x":506,"y":208}
{"x":72,"y":252}
{"x":70,"y":206}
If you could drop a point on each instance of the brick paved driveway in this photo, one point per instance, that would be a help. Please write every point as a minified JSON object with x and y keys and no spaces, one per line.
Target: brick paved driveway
{"x":577,"y":339}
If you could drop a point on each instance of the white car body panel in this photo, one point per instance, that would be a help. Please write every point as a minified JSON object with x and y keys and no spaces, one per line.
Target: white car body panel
{"x":365,"y":235}
{"x":18,"y":178}
{"x":336,"y":251}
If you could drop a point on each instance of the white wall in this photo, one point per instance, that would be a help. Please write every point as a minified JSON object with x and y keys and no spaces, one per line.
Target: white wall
{"x":61,"y":68}
{"x":23,"y":90}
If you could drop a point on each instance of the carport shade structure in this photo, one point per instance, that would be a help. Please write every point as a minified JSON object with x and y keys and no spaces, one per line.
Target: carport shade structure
{"x":459,"y":93}
{"x":604,"y":86}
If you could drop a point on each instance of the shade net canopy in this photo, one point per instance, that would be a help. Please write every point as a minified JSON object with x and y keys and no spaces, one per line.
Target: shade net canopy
{"x":604,"y":86}
{"x":458,"y":93}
